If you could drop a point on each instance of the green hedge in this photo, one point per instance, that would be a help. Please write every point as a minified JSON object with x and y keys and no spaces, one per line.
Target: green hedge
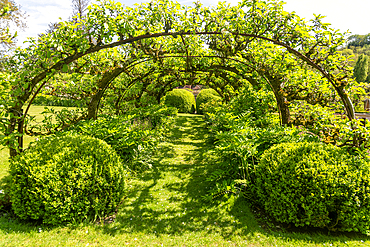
{"x":181,"y":99}
{"x":67,"y":179}
{"x":312,"y":184}
{"x":205,"y":96}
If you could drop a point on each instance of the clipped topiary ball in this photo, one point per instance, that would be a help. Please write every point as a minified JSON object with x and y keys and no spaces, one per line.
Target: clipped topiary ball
{"x":205,"y":96}
{"x":67,"y":179}
{"x":317,"y":185}
{"x":181,"y":99}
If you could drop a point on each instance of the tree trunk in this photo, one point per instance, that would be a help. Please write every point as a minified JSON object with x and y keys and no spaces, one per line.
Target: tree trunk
{"x":92,"y":109}
{"x":282,"y":104}
{"x":284,"y":112}
{"x":346,"y":102}
{"x":16,"y":123}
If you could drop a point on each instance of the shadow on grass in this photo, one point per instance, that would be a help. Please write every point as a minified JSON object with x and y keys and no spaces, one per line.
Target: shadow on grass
{"x":227,"y":216}
{"x":186,"y":211}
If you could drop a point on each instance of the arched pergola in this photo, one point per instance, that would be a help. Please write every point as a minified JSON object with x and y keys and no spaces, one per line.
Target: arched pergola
{"x":157,"y":31}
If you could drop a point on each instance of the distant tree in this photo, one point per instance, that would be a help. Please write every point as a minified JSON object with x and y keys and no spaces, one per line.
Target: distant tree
{"x":10,"y":14}
{"x":79,"y":7}
{"x":361,"y":68}
{"x":358,"y":40}
{"x":347,"y":52}
{"x":53,"y":26}
{"x":368,"y":73}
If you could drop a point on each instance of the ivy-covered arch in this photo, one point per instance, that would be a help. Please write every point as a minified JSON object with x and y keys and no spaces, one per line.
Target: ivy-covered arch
{"x":154,"y":30}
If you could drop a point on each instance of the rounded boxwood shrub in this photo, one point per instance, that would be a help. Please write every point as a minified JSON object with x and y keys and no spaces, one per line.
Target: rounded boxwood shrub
{"x":317,"y":185}
{"x":205,"y":96}
{"x":181,"y":99}
{"x":67,"y":179}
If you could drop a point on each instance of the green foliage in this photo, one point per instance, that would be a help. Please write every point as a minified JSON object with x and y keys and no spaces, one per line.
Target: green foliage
{"x":67,"y":179}
{"x":147,"y":100}
{"x":134,"y":136}
{"x":52,"y":100}
{"x":320,"y":121}
{"x":69,"y":90}
{"x":54,"y":120}
{"x":358,"y":40}
{"x":361,"y":68}
{"x":257,"y":104}
{"x":158,"y":115}
{"x":147,"y":31}
{"x":240,"y":144}
{"x":357,"y":45}
{"x":354,"y":135}
{"x":240,"y":149}
{"x":10,"y":16}
{"x":249,"y":108}
{"x":333,"y":128}
{"x":181,"y":99}
{"x":170,"y":197}
{"x":205,"y":96}
{"x":4,"y":84}
{"x":312,"y":184}
{"x":244,"y":144}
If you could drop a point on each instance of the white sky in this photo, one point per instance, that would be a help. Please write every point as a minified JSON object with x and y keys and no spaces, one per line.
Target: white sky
{"x":352,"y":15}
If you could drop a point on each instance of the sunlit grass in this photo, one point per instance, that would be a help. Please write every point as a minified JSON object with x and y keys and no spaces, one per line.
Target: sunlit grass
{"x":4,"y":155}
{"x":164,"y":206}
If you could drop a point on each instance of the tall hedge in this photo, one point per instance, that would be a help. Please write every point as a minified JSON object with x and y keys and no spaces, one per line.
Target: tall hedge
{"x":181,"y":99}
{"x":205,"y":96}
{"x":67,"y":179}
{"x":317,"y":185}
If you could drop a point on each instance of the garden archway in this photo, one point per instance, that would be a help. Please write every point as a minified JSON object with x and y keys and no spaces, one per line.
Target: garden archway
{"x":221,"y":31}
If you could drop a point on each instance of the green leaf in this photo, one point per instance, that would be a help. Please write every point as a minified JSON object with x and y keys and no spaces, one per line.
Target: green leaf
{"x":65,"y":68}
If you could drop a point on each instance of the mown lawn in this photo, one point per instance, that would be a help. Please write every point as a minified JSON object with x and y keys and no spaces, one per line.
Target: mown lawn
{"x":164,"y":206}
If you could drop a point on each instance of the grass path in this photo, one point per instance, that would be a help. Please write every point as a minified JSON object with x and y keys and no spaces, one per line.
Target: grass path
{"x":164,"y":207}
{"x":165,"y":203}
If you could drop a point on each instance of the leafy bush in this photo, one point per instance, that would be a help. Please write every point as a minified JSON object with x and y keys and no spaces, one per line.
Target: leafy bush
{"x":239,"y":151}
{"x":334,"y":128}
{"x":181,"y":99}
{"x":247,"y":144}
{"x":219,"y":117}
{"x":157,"y":115}
{"x":205,"y":96}
{"x":132,"y":139}
{"x":251,"y":107}
{"x":243,"y":130}
{"x":133,"y":136}
{"x":67,"y":179}
{"x":256,"y":104}
{"x":312,"y":184}
{"x":147,"y":100}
